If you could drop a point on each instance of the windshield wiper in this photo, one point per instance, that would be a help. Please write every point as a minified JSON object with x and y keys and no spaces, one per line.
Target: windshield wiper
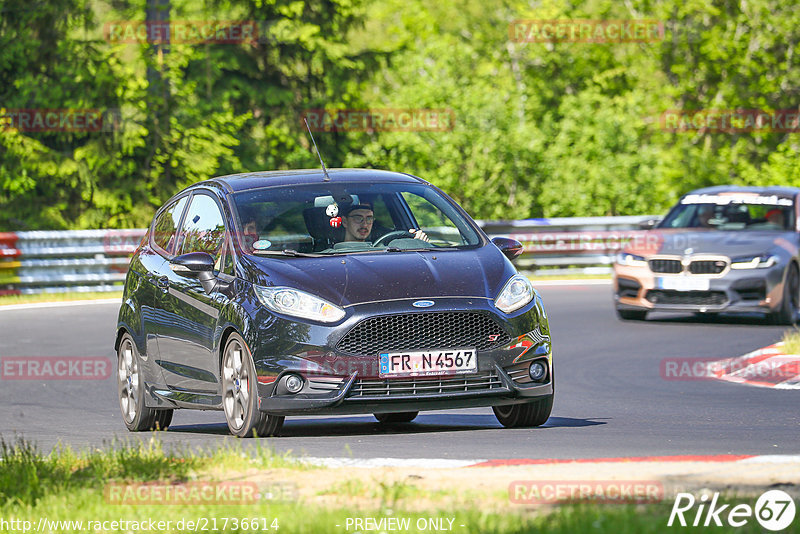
{"x":421,"y":249}
{"x":286,"y":252}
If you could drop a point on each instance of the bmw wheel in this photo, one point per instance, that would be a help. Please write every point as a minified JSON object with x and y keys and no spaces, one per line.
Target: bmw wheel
{"x":136,"y":415}
{"x":632,"y":315}
{"x":240,"y":394}
{"x":787,"y":313}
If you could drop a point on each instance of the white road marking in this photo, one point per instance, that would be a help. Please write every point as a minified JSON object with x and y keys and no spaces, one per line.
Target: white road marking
{"x":35,"y":305}
{"x":430,"y":463}
{"x":589,"y":282}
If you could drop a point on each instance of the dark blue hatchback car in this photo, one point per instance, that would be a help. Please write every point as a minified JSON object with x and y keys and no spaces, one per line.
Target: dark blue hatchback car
{"x":282,"y":293}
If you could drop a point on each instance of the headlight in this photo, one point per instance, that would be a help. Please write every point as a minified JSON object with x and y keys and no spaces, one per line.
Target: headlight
{"x":517,"y":292}
{"x":291,"y":301}
{"x":631,"y":260}
{"x":754,"y":262}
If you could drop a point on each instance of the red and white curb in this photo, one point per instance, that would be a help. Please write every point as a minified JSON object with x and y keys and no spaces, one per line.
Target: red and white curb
{"x":447,"y":463}
{"x":767,"y":367}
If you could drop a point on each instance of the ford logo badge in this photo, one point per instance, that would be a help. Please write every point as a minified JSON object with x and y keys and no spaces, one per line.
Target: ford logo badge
{"x":423,"y":304}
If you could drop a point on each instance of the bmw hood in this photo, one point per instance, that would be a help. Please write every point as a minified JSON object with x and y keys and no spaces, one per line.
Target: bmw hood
{"x":732,"y":244}
{"x":359,"y":278}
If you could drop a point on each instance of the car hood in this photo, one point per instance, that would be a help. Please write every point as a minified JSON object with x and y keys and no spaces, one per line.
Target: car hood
{"x":726,"y":243}
{"x":370,"y":277}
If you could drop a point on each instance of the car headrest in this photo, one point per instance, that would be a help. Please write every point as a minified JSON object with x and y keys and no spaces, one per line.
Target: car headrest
{"x":320,"y":229}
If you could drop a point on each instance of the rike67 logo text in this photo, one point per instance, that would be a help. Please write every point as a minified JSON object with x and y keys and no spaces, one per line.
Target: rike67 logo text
{"x":774,"y":510}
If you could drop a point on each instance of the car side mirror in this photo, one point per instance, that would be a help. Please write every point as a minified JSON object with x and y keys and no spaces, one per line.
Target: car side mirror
{"x":648,"y":224}
{"x":198,"y":265}
{"x":511,"y":248}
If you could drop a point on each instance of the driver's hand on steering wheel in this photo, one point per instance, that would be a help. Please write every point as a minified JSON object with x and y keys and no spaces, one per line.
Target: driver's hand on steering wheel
{"x":419,"y":234}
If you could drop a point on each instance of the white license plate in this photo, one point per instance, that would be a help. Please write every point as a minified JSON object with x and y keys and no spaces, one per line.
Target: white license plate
{"x":683,"y":283}
{"x":428,"y":362}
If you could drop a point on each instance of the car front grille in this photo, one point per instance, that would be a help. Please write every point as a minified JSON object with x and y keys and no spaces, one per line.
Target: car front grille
{"x":418,"y":331}
{"x":707,"y":266}
{"x":422,"y":386}
{"x":687,"y":298}
{"x":666,"y":266}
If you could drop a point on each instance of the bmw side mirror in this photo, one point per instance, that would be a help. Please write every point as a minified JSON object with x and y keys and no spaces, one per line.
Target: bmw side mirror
{"x":511,"y":248}
{"x":198,"y":265}
{"x":648,"y":224}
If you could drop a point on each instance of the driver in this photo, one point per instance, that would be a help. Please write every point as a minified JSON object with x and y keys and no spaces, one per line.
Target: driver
{"x":358,"y":220}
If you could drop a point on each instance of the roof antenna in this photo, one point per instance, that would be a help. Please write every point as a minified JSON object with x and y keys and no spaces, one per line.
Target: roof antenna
{"x":324,"y":170}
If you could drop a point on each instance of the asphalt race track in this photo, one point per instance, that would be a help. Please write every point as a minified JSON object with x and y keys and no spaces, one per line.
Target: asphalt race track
{"x":611,"y":400}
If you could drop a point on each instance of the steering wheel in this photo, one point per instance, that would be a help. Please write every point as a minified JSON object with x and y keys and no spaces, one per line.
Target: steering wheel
{"x":391,"y":236}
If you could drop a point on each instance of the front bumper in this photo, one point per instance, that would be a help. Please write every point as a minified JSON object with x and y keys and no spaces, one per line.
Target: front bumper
{"x":341,"y":383}
{"x":348,"y":397}
{"x":745,"y":290}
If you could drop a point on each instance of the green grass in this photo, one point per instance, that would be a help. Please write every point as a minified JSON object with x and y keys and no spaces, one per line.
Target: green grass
{"x":58,"y":297}
{"x":791,"y":341}
{"x":27,"y":475}
{"x":67,"y":486}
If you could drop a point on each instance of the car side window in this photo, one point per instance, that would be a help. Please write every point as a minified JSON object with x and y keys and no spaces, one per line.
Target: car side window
{"x":439,"y":227}
{"x":166,"y":225}
{"x":224,"y":263}
{"x":203,"y":227}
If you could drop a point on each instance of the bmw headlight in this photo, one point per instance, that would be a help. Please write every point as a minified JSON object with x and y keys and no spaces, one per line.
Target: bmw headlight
{"x":631,"y":260}
{"x":298,"y":303}
{"x":517,"y":292}
{"x":754,"y":262}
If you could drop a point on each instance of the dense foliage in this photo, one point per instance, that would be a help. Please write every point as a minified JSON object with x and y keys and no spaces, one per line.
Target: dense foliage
{"x":539,"y":128}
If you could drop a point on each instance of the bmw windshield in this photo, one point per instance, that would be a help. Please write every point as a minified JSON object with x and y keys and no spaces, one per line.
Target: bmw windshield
{"x":736,"y":212}
{"x":349,"y":218}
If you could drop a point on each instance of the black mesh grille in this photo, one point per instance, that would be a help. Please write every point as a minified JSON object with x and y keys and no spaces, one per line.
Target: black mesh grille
{"x":688,"y":298}
{"x":666,"y":266}
{"x":751,"y":288}
{"x":707,"y":266}
{"x":628,"y":288}
{"x":394,"y":387}
{"x":419,"y":331}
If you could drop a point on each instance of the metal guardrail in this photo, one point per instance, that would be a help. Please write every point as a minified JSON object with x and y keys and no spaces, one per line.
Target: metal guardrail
{"x":569,"y":245}
{"x":97,"y":260}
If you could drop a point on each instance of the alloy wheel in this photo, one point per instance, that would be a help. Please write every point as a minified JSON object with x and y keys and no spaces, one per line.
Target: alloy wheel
{"x":236,"y":385}
{"x":128,"y":376}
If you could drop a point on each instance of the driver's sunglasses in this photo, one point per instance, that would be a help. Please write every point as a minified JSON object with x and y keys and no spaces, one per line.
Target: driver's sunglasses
{"x":360,"y":219}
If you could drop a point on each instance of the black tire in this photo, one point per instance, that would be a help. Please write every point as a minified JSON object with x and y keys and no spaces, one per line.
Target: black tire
{"x":707,"y":316}
{"x":399,"y":417}
{"x":632,"y":315}
{"x":163,"y":419}
{"x":240,"y":393}
{"x":135,"y":414}
{"x":787,"y":314}
{"x":534,"y":413}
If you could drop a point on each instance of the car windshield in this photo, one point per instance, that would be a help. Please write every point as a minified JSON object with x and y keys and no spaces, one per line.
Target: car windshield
{"x":349,"y":218}
{"x":732,"y":212}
